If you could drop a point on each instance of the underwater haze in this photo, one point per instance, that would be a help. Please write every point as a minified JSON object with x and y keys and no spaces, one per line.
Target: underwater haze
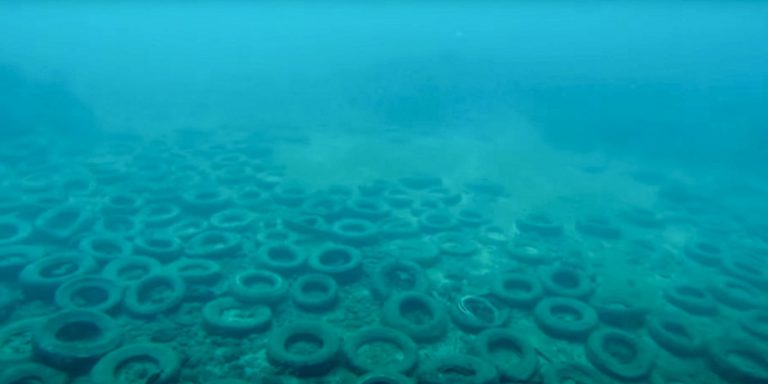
{"x":383,"y":193}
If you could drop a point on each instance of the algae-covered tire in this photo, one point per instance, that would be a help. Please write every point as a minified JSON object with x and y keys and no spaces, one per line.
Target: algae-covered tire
{"x":275,"y":236}
{"x":394,"y":276}
{"x":620,"y":310}
{"x":416,"y":314}
{"x":416,"y":250}
{"x":397,"y":227}
{"x":437,"y":220}
{"x":368,"y":208}
{"x":539,"y":224}
{"x":476,"y":313}
{"x":598,"y":227}
{"x":340,"y":261}
{"x":89,"y":292}
{"x":13,"y":230}
{"x":675,"y":334}
{"x":512,"y":354}
{"x":233,"y":219}
{"x":229,"y":317}
{"x":384,"y":378}
{"x":565,"y":318}
{"x":738,"y":361}
{"x":122,"y":202}
{"x":355,"y":231}
{"x":138,"y":363}
{"x":159,"y":214}
{"x":282,"y":257}
{"x":45,"y":275}
{"x":457,"y":368}
{"x":620,"y":355}
{"x":63,"y":222}
{"x":205,"y":201}
{"x":571,"y":373}
{"x":14,"y":258}
{"x":188,"y":227}
{"x":214,"y":244}
{"x":456,"y":244}
{"x":131,"y":269}
{"x":158,"y":244}
{"x":315,"y":292}
{"x":73,"y":339}
{"x":290,"y":194}
{"x":377,"y":348}
{"x":154,"y":294}
{"x":756,"y":323}
{"x":691,"y":299}
{"x":259,"y":287}
{"x":32,"y":373}
{"x":736,"y":294}
{"x":16,"y":341}
{"x":517,"y":289}
{"x":747,"y":270}
{"x":305,"y":348}
{"x":118,"y":225}
{"x":195,"y":271}
{"x":567,"y":282}
{"x":705,"y":253}
{"x":105,"y":248}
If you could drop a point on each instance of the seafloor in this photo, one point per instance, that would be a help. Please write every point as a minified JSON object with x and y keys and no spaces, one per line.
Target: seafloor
{"x":267,"y":256}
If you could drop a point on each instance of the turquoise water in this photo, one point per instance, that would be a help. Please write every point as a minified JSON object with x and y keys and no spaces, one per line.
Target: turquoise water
{"x":383,"y":193}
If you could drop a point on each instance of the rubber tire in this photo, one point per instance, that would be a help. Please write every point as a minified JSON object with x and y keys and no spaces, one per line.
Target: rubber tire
{"x":316,"y":362}
{"x":355,"y":231}
{"x":571,"y":373}
{"x":133,"y":300}
{"x":166,"y":360}
{"x":303,"y":295}
{"x":37,"y":284}
{"x":567,"y":282}
{"x":214,"y":244}
{"x":384,"y":378}
{"x":621,"y":311}
{"x":539,"y":225}
{"x":640,"y":365}
{"x":281,"y":257}
{"x":116,"y":247}
{"x":275,"y":294}
{"x":376,"y":334}
{"x":736,"y":294}
{"x":124,"y":270}
{"x":520,"y":369}
{"x":519,"y":290}
{"x":32,"y":373}
{"x":18,"y":330}
{"x":565,"y":328}
{"x":721,"y":352}
{"x":52,"y":344}
{"x":382,"y":285}
{"x":339,"y":261}
{"x":14,"y":258}
{"x":470,"y":370}
{"x":112,"y":293}
{"x":756,"y":323}
{"x":195,"y":271}
{"x":392,"y":315}
{"x":468,"y":320}
{"x":216,"y":323}
{"x":674,"y":334}
{"x":690,"y":299}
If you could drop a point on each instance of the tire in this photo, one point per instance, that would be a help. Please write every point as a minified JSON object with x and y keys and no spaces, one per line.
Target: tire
{"x":19,"y":334}
{"x":431,"y":323}
{"x":323,"y":205}
{"x":32,"y":373}
{"x":736,"y":294}
{"x":339,"y":261}
{"x":529,"y":252}
{"x":539,"y":225}
{"x":437,"y":220}
{"x":691,"y":299}
{"x":13,"y":230}
{"x":214,"y":244}
{"x":376,"y":357}
{"x":598,"y":227}
{"x":13,"y":258}
{"x":45,"y":275}
{"x":738,"y":361}
{"x":756,"y":323}
{"x":122,"y":202}
{"x":276,"y":236}
{"x":398,"y":228}
{"x":675,"y":334}
{"x":315,"y":292}
{"x":355,"y":231}
{"x":259,"y":287}
{"x":476,"y":313}
{"x":519,"y":290}
{"x":105,"y":248}
{"x":233,"y":219}
{"x":159,"y":363}
{"x":159,"y":245}
{"x":567,"y":282}
{"x":131,"y":269}
{"x":159,"y":214}
{"x":747,"y":270}
{"x":620,"y":354}
{"x":289,"y":194}
{"x":704,"y":253}
{"x":384,"y":378}
{"x":456,"y":244}
{"x":281,"y":258}
{"x":565,"y":318}
{"x":229,"y":317}
{"x":63,"y":222}
{"x":195,"y":271}
{"x":473,"y":217}
{"x":304,"y":362}
{"x":621,"y":311}
{"x":89,"y":292}
{"x":118,"y":225}
{"x":188,"y":228}
{"x":74,"y":339}
{"x":457,"y":368}
{"x":498,"y":345}
{"x":205,"y":201}
{"x":135,"y":296}
{"x":367,"y":208}
{"x":394,"y":276}
{"x":419,"y":251}
{"x":571,"y":373}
